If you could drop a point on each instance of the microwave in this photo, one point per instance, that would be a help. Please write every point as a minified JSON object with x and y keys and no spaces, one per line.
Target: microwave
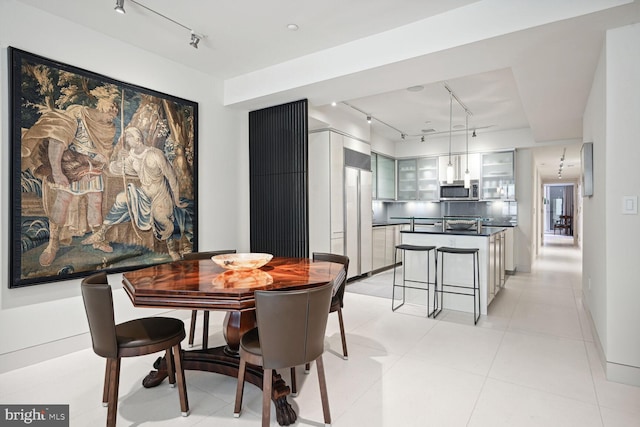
{"x":456,"y":191}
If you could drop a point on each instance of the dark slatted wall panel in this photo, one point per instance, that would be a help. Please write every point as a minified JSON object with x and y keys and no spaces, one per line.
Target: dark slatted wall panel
{"x":278,"y":140}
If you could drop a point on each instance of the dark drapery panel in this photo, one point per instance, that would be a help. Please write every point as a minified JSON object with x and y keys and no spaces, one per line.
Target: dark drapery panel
{"x":278,"y":145}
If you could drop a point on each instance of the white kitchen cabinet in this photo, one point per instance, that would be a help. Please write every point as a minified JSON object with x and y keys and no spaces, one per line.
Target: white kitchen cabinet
{"x":509,"y":262}
{"x":418,"y":179}
{"x":326,"y":192}
{"x":498,"y":176}
{"x":378,"y":249}
{"x":383,"y":182}
{"x":384,"y":239}
{"x":427,"y":175}
{"x":492,"y":268}
{"x":503,"y":250}
{"x":390,"y":243}
{"x":407,"y":179}
{"x":497,"y":258}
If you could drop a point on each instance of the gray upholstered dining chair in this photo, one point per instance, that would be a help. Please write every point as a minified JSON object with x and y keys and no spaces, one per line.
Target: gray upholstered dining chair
{"x":133,"y":338}
{"x":290,"y":332}
{"x":336,"y":306}
{"x":337,"y":300}
{"x":194,"y":313}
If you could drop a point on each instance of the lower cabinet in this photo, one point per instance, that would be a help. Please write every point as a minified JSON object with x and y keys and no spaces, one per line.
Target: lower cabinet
{"x":384,"y":240}
{"x":378,"y":247}
{"x":497,"y":263}
{"x":509,"y":258}
{"x":491,"y":288}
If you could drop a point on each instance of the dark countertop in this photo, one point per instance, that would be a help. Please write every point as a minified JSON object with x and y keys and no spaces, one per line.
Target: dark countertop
{"x":437,"y":229}
{"x":484,"y":224}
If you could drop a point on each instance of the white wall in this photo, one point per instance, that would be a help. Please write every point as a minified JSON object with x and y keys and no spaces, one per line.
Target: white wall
{"x":339,"y":119}
{"x":49,"y":313}
{"x":594,"y":256}
{"x":610,"y":257}
{"x":622,"y":178}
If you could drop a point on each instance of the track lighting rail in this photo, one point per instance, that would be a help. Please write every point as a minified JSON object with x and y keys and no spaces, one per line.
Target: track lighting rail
{"x":405,"y":135}
{"x":195,"y":38}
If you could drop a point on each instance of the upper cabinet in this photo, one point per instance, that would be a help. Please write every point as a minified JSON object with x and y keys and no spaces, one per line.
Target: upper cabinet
{"x":383,"y":170}
{"x":418,"y":179}
{"x":407,"y":179}
{"x":498,"y":176}
{"x":427,"y":178}
{"x":459,"y":163}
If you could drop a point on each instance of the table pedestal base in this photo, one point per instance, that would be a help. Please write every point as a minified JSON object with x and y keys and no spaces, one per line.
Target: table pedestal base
{"x":218,"y":360}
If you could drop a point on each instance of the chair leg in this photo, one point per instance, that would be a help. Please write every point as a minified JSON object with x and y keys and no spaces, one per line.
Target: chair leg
{"x":182,"y":384}
{"x":345,"y":355}
{"x":323,"y":391}
{"x":192,"y":329}
{"x":240,"y":388}
{"x":107,"y":379}
{"x":307,"y":368}
{"x":294,"y":386}
{"x":171,"y":372}
{"x":266,"y":397}
{"x":205,"y":331}
{"x":114,"y":383}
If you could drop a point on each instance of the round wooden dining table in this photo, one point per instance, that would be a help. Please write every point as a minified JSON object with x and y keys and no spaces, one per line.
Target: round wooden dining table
{"x":202,"y":284}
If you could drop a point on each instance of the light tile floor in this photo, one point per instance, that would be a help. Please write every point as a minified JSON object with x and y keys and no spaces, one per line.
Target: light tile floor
{"x":530,"y":362}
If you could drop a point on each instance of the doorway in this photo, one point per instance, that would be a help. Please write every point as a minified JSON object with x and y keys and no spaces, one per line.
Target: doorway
{"x":559,"y":209}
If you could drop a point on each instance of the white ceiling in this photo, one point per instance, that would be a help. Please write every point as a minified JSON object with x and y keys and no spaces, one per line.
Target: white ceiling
{"x":538,"y":77}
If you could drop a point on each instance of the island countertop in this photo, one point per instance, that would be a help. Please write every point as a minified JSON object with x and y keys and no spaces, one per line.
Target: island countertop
{"x":438,"y":229}
{"x":450,"y":225}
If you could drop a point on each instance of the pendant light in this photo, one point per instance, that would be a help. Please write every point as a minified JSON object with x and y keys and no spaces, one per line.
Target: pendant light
{"x":467,"y":175}
{"x":450,"y":166}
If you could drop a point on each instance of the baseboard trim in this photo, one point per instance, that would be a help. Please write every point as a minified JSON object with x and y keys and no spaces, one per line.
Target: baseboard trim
{"x":615,"y":372}
{"x":43,"y":352}
{"x":624,"y":374}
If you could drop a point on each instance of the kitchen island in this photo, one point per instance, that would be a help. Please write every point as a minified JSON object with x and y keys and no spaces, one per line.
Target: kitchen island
{"x":437,"y":232}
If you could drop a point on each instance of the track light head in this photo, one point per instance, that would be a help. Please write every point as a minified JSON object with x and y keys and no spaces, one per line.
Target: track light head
{"x":473,"y":135}
{"x":195,"y":39}
{"x":403,"y":136}
{"x":422,"y":139}
{"x":119,"y":7}
{"x":368,"y":119}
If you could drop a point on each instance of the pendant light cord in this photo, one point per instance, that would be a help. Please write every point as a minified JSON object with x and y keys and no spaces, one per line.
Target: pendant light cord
{"x":467,"y":135}
{"x":450,"y":122}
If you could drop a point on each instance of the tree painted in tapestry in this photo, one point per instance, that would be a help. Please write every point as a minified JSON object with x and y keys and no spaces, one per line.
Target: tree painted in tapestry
{"x":104,"y":173}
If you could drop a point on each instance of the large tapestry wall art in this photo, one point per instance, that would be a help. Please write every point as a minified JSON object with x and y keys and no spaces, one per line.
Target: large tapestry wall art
{"x":103,"y":173}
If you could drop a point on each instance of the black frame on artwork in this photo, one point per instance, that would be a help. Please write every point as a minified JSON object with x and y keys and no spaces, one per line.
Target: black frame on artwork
{"x":104,"y":173}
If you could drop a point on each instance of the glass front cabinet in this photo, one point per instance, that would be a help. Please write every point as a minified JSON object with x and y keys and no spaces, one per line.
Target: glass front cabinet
{"x":407,"y":179}
{"x":418,"y":179}
{"x":428,"y":178}
{"x":384,"y":177}
{"x":498,"y":176}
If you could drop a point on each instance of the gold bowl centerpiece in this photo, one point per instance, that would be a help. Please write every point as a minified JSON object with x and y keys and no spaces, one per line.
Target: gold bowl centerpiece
{"x":242,"y":261}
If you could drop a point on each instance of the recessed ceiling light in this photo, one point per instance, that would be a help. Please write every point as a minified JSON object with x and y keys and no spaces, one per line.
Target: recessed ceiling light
{"x":428,"y":130}
{"x":458,"y":126}
{"x":415,"y":88}
{"x":292,"y":27}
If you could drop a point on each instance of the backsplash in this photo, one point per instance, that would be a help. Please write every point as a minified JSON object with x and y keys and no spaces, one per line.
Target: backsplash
{"x":498,"y":211}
